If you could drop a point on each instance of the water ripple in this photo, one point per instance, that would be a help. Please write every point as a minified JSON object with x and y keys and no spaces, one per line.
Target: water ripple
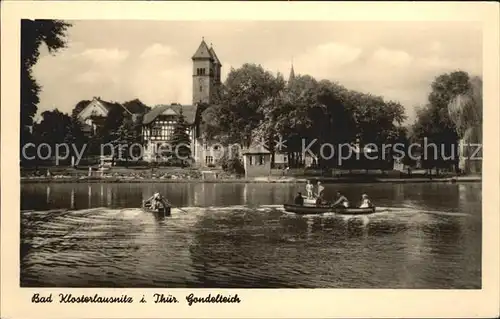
{"x":246,"y":246}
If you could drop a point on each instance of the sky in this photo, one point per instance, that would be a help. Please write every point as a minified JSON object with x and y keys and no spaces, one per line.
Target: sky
{"x":121,"y":60}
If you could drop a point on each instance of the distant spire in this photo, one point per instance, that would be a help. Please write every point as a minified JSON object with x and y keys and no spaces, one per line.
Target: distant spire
{"x":292,"y":73}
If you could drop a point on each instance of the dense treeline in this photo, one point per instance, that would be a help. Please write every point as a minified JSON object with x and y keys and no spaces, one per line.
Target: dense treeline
{"x":255,"y":104}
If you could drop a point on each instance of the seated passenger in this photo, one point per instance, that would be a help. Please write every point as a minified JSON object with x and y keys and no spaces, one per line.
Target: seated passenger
{"x":365,"y":202}
{"x":341,"y":200}
{"x":299,"y":200}
{"x":155,"y":201}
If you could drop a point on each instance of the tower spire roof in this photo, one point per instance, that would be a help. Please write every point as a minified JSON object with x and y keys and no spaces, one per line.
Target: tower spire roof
{"x":203,"y":52}
{"x":214,"y":56}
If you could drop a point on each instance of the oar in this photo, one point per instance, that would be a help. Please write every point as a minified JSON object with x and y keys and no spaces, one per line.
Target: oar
{"x":182,"y":210}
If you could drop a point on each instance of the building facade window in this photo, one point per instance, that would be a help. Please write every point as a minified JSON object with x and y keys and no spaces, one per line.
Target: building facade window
{"x":209,"y":159}
{"x":261,"y":160}
{"x":156,"y":132}
{"x":200,"y":71}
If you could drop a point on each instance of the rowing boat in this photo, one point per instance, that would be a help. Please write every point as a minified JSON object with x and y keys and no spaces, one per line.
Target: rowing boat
{"x":163,"y":210}
{"x":309,"y":201}
{"x":308,"y":209}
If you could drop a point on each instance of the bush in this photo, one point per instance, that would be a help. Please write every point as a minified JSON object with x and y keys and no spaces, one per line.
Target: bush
{"x":176,"y":162}
{"x":232,"y":165}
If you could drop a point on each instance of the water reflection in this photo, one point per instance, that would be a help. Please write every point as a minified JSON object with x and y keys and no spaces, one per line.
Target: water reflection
{"x":236,"y":235}
{"x":239,"y":250}
{"x":72,"y":204}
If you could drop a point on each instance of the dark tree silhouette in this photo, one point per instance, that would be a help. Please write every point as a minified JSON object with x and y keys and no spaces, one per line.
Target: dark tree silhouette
{"x":180,"y":139}
{"x":34,"y":33}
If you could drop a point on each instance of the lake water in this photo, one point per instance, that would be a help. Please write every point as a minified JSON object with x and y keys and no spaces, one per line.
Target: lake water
{"x":238,"y":236}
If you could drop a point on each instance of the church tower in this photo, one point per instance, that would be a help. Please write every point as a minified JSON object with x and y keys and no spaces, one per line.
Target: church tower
{"x":206,"y":73}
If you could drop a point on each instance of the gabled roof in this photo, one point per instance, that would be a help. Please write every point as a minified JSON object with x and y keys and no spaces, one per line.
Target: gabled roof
{"x":106,"y":104}
{"x":216,"y":59}
{"x":255,"y":149}
{"x":189,"y":112}
{"x":103,"y":105}
{"x":203,"y":52}
{"x":135,"y":107}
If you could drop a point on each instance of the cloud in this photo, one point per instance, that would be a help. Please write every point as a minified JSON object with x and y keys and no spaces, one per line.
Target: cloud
{"x":392,"y":73}
{"x":321,"y":61}
{"x":89,"y":77}
{"x":338,"y":52}
{"x":102,"y":56}
{"x":93,"y":77}
{"x":157,"y":50}
{"x":146,"y":60}
{"x":395,"y":58}
{"x":161,"y":78}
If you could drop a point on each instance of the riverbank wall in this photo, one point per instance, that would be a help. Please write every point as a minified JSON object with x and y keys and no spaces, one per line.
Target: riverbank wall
{"x":294,"y":180}
{"x":191,"y":175}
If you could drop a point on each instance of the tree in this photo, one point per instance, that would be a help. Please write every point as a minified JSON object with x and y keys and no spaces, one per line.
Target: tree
{"x":246,"y":91}
{"x":376,"y":120}
{"x":181,"y":141}
{"x":299,"y":116}
{"x":403,"y":139}
{"x":217,"y":124}
{"x":434,"y":122}
{"x":466,"y":112}
{"x":126,"y":135}
{"x":75,"y":138}
{"x":34,"y":33}
{"x":108,"y":126}
{"x":336,"y":120}
{"x":55,"y":127}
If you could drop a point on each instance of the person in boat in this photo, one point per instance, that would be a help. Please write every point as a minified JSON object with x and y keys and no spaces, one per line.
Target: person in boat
{"x":321,"y":190}
{"x":320,"y":195}
{"x":156,"y":201}
{"x":299,"y":200}
{"x":341,"y":200}
{"x":309,"y":190}
{"x":319,"y":201}
{"x":365,"y":202}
